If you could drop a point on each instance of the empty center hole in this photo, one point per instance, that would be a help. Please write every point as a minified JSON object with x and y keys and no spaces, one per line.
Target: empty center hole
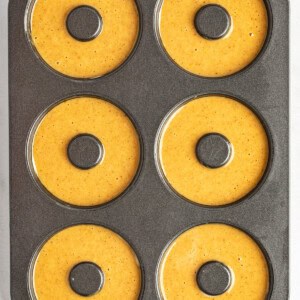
{"x":85,"y":151}
{"x":212,"y":21}
{"x":86,"y":279}
{"x":84,"y":23}
{"x":214,"y":278}
{"x":213,"y":150}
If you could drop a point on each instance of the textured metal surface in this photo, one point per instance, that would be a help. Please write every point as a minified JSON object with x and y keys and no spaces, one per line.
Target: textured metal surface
{"x":85,"y":151}
{"x":84,"y":23}
{"x":86,"y":279}
{"x":213,"y":150}
{"x":214,"y":278}
{"x":212,"y":21}
{"x":148,"y":86}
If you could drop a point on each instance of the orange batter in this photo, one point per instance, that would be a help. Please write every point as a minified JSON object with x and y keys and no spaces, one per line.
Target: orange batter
{"x":217,"y":58}
{"x":180,"y":134}
{"x":86,"y":243}
{"x":111,"y":176}
{"x":95,"y":58}
{"x":213,"y":242}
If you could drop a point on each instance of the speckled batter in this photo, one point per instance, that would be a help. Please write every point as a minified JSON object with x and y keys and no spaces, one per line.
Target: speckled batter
{"x":213,"y":242}
{"x":213,"y":58}
{"x":213,"y":114}
{"x":86,"y":243}
{"x":63,"y":53}
{"x":101,"y":183}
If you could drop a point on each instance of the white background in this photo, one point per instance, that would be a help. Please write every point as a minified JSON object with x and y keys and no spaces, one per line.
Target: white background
{"x":294,"y":162}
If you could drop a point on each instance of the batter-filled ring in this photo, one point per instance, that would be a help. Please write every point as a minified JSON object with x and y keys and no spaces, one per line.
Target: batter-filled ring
{"x":212,"y":150}
{"x":65,"y":266}
{"x":84,"y":151}
{"x":116,"y":29}
{"x":212,"y":38}
{"x":213,"y":261}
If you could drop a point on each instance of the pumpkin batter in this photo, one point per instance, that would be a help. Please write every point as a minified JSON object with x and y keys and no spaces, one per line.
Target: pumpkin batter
{"x":213,"y":58}
{"x":111,"y":176}
{"x":82,"y":243}
{"x":176,"y":155}
{"x":74,"y":58}
{"x":213,"y":242}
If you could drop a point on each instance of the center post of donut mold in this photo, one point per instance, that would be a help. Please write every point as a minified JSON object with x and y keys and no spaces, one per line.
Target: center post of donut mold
{"x":213,"y":150}
{"x":85,"y":151}
{"x":86,"y":279}
{"x":214,"y":278}
{"x":212,"y":21}
{"x":84,"y":23}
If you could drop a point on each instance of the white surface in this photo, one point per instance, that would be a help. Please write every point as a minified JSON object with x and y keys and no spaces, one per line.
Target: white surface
{"x":295,"y":154}
{"x":295,"y":151}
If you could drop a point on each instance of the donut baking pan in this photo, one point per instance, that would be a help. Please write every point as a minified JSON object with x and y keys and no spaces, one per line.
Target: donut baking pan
{"x":149,"y":149}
